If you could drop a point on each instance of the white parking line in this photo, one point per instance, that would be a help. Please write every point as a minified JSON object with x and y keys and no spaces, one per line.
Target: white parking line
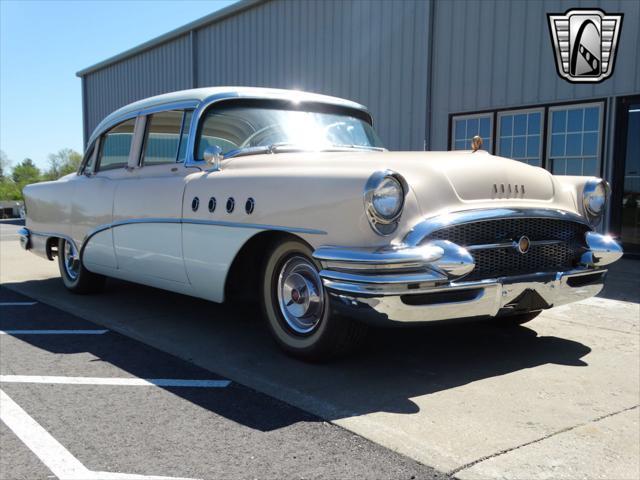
{"x":53,"y":332}
{"x":128,"y":382}
{"x":51,"y":452}
{"x":17,"y":304}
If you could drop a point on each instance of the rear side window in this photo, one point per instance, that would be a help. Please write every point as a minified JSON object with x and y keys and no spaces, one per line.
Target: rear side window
{"x":115,"y":146}
{"x":163,"y":138}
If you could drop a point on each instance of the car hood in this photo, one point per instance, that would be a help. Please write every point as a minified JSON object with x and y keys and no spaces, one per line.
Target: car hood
{"x":439,"y":180}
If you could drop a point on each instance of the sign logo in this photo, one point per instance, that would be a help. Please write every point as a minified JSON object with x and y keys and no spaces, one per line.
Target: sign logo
{"x":585,"y":44}
{"x":523,"y":244}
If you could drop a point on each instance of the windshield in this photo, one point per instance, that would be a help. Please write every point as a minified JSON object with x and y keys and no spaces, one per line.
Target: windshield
{"x":235,"y":128}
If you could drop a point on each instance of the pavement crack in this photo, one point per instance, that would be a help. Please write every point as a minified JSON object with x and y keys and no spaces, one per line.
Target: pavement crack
{"x":455,"y":471}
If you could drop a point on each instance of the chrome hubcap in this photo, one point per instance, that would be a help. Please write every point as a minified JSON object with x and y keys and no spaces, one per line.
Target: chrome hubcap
{"x":300,"y":295}
{"x":71,"y":260}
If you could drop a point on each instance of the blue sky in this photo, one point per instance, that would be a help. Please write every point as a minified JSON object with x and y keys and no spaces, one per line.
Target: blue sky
{"x":42,"y":46}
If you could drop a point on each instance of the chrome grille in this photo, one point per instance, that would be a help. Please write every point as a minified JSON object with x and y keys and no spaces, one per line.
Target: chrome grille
{"x":508,"y":261}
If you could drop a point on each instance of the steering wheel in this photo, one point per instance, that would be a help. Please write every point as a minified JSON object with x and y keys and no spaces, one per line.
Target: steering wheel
{"x":273,"y":129}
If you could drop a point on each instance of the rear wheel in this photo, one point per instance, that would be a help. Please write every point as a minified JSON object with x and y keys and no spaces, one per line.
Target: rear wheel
{"x":74,"y":276}
{"x":296,"y":306}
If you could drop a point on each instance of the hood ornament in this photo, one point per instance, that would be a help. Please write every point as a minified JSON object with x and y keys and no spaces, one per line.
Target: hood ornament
{"x":476,"y":143}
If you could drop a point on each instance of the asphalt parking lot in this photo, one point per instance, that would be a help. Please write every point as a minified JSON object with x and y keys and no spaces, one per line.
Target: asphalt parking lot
{"x":558,"y":398}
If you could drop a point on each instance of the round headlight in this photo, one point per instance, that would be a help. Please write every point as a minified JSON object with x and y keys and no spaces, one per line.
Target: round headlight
{"x":384,"y":200}
{"x":594,"y":198}
{"x":387,"y":198}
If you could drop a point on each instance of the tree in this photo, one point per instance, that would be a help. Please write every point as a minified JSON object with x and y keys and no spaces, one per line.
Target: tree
{"x":62,"y":163}
{"x":5,"y":163}
{"x":25,"y":173}
{"x":9,"y":190}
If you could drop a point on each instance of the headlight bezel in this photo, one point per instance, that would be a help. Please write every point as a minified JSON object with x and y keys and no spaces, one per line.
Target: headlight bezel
{"x":589,"y":189}
{"x":380,"y":223}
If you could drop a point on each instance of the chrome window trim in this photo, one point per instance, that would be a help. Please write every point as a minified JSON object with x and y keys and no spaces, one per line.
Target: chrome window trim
{"x":137,"y":144}
{"x":429,"y":225}
{"x":182,"y":105}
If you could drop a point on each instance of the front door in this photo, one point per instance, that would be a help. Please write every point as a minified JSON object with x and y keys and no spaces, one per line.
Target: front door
{"x":627,"y":176}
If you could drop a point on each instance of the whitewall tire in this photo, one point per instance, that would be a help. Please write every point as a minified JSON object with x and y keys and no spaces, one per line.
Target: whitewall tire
{"x":75,"y":277}
{"x":296,"y":306}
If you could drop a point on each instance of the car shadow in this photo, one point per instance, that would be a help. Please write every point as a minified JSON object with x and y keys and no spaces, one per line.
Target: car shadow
{"x":623,"y":281}
{"x":394,"y":366}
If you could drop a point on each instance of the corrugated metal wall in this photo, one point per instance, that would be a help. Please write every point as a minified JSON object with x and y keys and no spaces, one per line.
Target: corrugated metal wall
{"x":499,"y":55}
{"x":488,"y":54}
{"x":370,"y":52}
{"x":162,"y":69}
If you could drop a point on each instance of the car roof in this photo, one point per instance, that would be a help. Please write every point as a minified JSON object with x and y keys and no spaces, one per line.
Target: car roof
{"x":213,"y":94}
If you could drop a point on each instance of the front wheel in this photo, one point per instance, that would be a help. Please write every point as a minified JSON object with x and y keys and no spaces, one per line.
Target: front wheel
{"x":74,"y":276}
{"x":296,"y":306}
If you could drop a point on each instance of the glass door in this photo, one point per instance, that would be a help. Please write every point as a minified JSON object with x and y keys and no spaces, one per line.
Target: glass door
{"x":627,"y":177}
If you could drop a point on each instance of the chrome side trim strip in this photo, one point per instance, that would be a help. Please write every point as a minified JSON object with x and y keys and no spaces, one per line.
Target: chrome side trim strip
{"x":131,"y":221}
{"x":192,"y":221}
{"x":430,"y":225}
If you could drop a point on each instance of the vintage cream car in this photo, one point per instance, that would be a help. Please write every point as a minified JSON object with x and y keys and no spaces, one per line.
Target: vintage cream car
{"x":289,"y":198}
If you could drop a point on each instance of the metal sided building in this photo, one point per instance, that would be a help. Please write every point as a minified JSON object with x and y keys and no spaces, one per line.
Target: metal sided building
{"x":433,"y":73}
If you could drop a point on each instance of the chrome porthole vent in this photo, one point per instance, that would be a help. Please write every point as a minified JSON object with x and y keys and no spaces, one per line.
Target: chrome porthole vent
{"x":212,"y":204}
{"x":195,"y":203}
{"x":249,"y":205}
{"x":231,"y":204}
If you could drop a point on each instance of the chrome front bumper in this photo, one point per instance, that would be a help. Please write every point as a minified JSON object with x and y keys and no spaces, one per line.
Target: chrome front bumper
{"x":488,"y":298}
{"x":426,"y":283}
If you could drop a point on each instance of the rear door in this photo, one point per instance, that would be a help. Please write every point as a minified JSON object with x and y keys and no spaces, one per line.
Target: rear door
{"x":92,"y":206}
{"x":147,"y":207}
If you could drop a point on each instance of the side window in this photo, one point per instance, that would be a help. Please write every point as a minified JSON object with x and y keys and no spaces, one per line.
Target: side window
{"x":115,"y":146}
{"x":162,"y":142}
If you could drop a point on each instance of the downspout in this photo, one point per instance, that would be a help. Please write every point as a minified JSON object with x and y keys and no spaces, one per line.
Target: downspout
{"x":85,"y":134}
{"x":430,"y":36}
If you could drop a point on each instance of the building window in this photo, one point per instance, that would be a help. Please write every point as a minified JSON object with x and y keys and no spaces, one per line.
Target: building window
{"x":465,"y":127}
{"x":520,"y":135}
{"x":575,"y":134}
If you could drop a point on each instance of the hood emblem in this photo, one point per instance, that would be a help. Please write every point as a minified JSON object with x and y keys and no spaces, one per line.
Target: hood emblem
{"x":523,"y":244}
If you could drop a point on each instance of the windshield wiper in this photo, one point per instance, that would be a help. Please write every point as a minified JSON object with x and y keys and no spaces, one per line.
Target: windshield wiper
{"x":294,"y":147}
{"x":273,"y":148}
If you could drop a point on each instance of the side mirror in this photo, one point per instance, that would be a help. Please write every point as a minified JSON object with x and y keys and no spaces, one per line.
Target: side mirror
{"x":213,"y":156}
